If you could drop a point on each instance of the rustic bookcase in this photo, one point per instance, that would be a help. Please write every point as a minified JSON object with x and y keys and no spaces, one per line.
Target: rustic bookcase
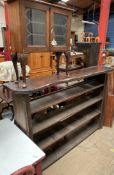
{"x":59,"y":120}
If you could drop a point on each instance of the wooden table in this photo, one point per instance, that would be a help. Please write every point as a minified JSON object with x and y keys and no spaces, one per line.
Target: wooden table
{"x":17,"y":150}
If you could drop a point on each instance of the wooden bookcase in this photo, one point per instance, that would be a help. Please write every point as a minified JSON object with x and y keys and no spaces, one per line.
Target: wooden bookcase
{"x":77,"y":110}
{"x":79,"y":114}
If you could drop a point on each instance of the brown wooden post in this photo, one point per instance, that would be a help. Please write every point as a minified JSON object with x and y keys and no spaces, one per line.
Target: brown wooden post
{"x":109,"y":100}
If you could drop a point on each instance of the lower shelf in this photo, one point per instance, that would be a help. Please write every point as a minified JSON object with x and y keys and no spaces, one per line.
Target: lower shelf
{"x":69,"y":129}
{"x":70,"y":144}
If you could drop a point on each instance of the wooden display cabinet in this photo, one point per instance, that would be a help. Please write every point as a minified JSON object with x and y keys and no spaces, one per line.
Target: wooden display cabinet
{"x":34,"y":27}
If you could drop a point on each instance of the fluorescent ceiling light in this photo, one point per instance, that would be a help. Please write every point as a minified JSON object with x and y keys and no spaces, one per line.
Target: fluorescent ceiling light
{"x":64,"y":0}
{"x":87,"y":22}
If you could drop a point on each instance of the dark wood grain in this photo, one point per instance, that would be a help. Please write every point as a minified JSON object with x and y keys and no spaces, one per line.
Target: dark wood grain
{"x":64,"y":115}
{"x":23,"y":113}
{"x":109,"y":100}
{"x":53,"y":99}
{"x":71,"y":143}
{"x":71,"y":128}
{"x":43,"y":82}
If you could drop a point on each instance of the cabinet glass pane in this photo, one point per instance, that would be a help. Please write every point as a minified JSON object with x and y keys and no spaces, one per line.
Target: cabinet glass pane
{"x":35,"y":24}
{"x":60,"y":28}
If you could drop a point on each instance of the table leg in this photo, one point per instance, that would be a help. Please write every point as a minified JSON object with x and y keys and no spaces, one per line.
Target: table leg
{"x":39,"y":168}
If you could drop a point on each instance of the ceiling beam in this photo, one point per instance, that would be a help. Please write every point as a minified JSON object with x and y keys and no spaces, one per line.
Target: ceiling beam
{"x":53,"y":1}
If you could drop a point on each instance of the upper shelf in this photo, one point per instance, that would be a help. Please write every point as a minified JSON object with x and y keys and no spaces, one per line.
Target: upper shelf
{"x":34,"y":85}
{"x":53,"y":99}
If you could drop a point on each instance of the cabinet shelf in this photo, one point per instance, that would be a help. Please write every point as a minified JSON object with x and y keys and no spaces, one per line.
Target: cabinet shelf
{"x":69,"y":144}
{"x":53,"y":99}
{"x":68,"y":130}
{"x":63,"y":115}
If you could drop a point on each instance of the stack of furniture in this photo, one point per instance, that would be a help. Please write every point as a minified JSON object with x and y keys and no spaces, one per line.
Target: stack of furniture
{"x":88,"y":37}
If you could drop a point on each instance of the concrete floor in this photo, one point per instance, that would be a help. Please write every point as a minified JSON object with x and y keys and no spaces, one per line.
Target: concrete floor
{"x":94,"y":156}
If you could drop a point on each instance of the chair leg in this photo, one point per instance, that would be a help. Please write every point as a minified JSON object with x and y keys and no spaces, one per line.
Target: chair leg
{"x":28,"y":170}
{"x":15,"y":60}
{"x":58,"y":55}
{"x":39,"y":168}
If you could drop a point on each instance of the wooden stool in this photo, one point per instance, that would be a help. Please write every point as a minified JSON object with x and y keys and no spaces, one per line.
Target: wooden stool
{"x":92,"y":39}
{"x":88,"y":39}
{"x":82,"y":36}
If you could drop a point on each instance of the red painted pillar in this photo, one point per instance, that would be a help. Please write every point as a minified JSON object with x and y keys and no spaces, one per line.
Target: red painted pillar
{"x":8,"y":53}
{"x":103,"y":24}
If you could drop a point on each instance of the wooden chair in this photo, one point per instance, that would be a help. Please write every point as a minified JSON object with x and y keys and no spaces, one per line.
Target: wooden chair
{"x":22,"y":58}
{"x":6,"y":102}
{"x":28,"y":170}
{"x":67,"y":57}
{"x":87,"y":39}
{"x":82,"y":36}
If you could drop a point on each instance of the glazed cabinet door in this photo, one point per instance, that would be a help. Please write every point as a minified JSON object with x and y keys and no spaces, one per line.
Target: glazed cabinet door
{"x":35,"y":26}
{"x":60,"y":21}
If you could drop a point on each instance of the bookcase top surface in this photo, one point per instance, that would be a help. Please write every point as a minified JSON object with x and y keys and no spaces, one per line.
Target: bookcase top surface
{"x":33,"y":85}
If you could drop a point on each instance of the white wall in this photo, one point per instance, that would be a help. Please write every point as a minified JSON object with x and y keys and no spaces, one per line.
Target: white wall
{"x":2,"y":24}
{"x":77,"y":25}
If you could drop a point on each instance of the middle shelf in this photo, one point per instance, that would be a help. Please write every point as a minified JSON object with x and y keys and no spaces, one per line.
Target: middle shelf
{"x":61,"y":115}
{"x":65,"y":94}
